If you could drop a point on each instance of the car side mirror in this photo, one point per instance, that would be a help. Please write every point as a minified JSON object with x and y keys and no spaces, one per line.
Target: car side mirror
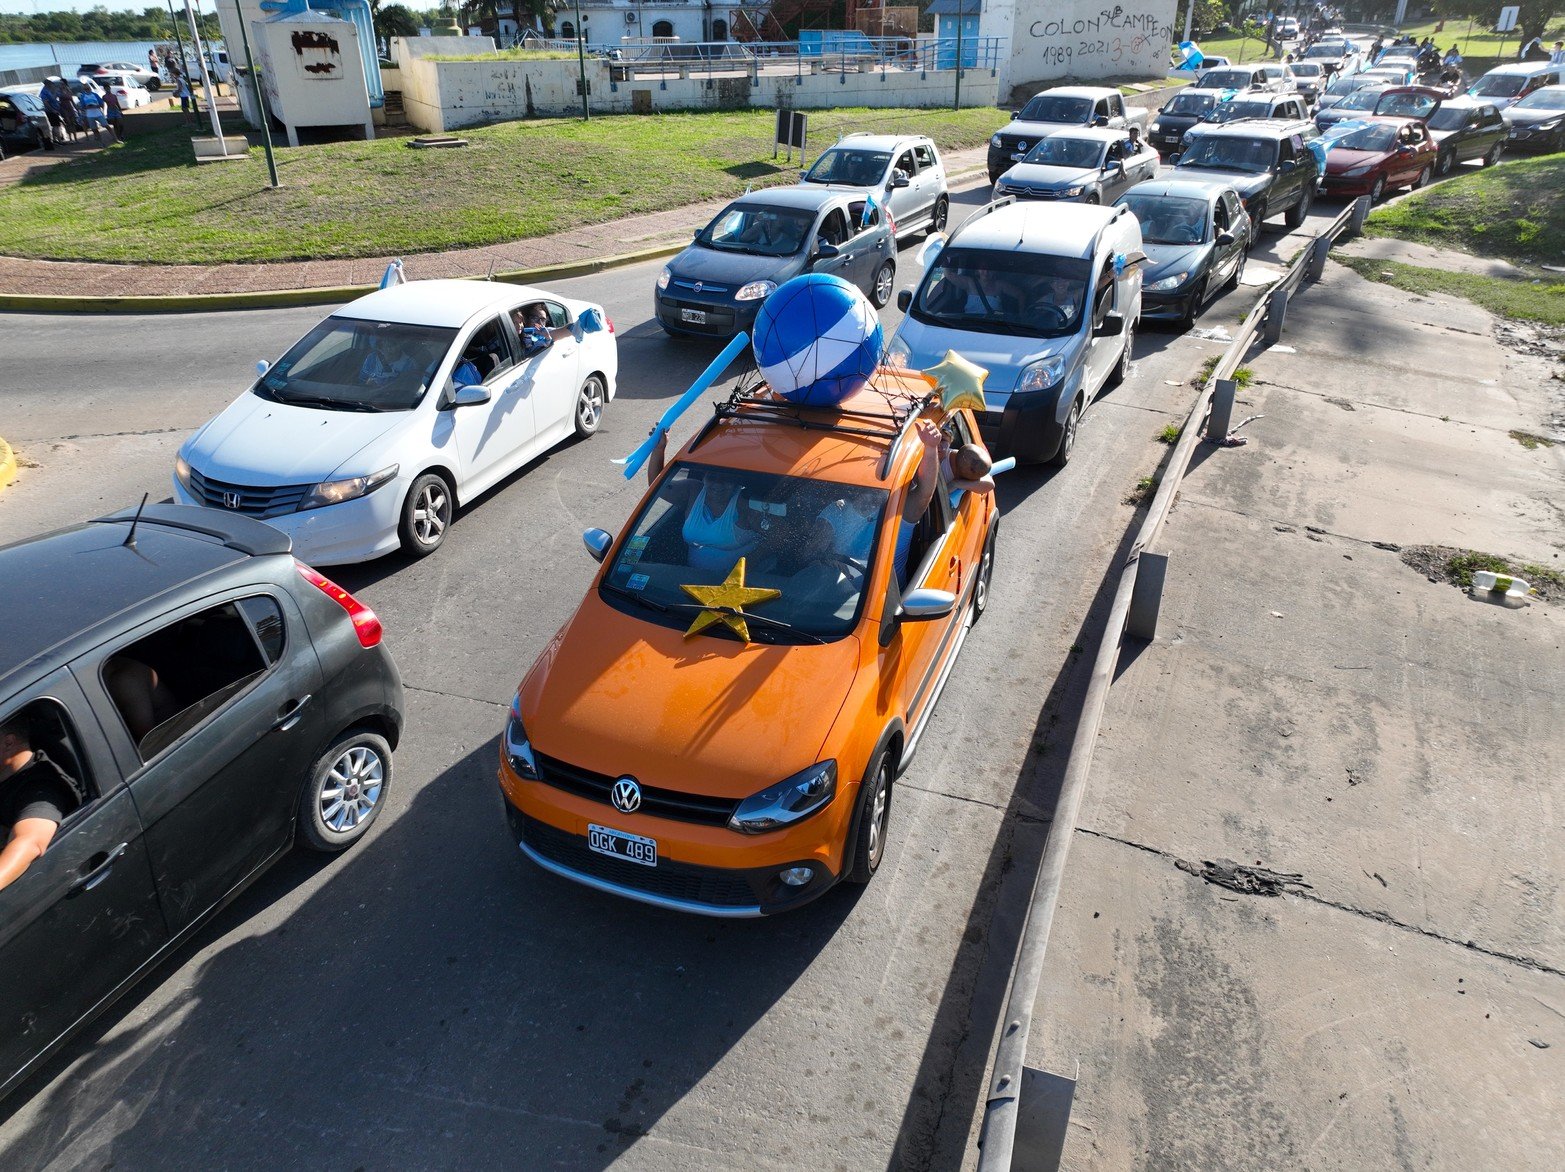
{"x":899,"y":180}
{"x":262,"y":367}
{"x":803,"y":174}
{"x":904,"y":299}
{"x":696,"y":235}
{"x":1016,"y":114}
{"x":920,"y":606}
{"x":1112,"y":325}
{"x":827,"y":251}
{"x":1224,"y":239}
{"x":598,"y":542}
{"x":1101,"y":120}
{"x":467,"y":395}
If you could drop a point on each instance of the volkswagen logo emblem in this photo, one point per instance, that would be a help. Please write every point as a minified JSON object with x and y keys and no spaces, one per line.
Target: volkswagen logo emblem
{"x":697,"y":286}
{"x":230,"y":500}
{"x":1022,"y":145}
{"x":626,"y":795}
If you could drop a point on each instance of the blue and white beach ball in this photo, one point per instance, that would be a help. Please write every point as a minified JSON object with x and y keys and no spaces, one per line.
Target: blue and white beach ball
{"x":817,"y":340}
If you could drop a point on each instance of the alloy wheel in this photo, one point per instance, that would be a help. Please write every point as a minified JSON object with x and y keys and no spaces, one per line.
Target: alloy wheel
{"x":431,"y":513}
{"x":589,"y":407}
{"x":879,"y":811}
{"x":352,"y":788}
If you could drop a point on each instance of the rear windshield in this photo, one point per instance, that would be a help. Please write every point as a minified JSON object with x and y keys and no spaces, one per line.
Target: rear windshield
{"x":1053,"y":108}
{"x":1450,"y":118}
{"x":992,"y":292}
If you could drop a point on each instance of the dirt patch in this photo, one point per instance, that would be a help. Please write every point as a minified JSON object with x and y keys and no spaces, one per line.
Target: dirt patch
{"x":1447,"y":563}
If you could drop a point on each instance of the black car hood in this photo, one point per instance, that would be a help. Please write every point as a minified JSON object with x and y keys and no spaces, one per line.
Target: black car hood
{"x":1246,"y":183}
{"x":1163,"y":259}
{"x":697,"y":263}
{"x":1515,"y":117}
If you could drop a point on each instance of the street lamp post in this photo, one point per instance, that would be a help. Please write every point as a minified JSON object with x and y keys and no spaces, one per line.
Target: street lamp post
{"x":961,"y":9}
{"x":581,"y":62}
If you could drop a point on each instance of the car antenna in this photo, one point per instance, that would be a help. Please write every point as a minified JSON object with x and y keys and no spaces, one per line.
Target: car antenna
{"x":130,"y":538}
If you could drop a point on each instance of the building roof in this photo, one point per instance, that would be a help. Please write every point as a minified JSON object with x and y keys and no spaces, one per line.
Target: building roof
{"x":956,"y":7}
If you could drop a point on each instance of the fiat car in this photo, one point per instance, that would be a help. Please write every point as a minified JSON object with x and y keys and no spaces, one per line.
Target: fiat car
{"x":720,"y":726}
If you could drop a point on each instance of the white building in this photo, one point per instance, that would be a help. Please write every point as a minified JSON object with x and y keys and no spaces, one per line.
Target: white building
{"x":608,"y":22}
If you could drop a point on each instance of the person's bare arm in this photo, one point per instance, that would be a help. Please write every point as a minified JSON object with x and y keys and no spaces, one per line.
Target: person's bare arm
{"x":657,"y":458}
{"x":922,"y":490}
{"x":29,"y":839}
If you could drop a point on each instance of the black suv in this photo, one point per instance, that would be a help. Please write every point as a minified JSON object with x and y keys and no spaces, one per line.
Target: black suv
{"x":195,"y":700}
{"x":1267,"y":161}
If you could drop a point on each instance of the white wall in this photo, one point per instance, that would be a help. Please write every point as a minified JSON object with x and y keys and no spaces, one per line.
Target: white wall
{"x":440,"y":96}
{"x":1083,"y":40}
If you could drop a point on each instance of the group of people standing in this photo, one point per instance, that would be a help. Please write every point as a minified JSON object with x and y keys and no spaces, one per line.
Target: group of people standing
{"x":71,"y":114}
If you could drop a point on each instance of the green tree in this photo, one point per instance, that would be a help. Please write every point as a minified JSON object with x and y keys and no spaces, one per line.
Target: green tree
{"x":1208,"y":15}
{"x":396,"y":20}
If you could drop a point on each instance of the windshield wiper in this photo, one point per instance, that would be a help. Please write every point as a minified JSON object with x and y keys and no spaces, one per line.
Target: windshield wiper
{"x":632,"y":596}
{"x":752,"y":617}
{"x":323,"y":401}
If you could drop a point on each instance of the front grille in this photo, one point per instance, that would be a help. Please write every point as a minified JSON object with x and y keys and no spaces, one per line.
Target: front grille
{"x":272,"y":501}
{"x":705,"y":286}
{"x":682,"y":881}
{"x":660,"y":803}
{"x":1032,"y":193}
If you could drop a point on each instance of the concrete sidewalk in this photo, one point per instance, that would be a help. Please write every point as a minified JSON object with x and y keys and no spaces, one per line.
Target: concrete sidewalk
{"x":667,"y":230}
{"x":1318,"y":707}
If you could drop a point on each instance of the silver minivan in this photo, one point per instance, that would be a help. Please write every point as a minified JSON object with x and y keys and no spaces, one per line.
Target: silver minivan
{"x":904,"y":172}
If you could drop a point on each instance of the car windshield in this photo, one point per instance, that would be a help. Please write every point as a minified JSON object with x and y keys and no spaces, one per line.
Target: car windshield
{"x":1228,"y":79}
{"x":1347,"y":85}
{"x":1190,"y":102}
{"x":1067,"y":152}
{"x":1502,"y":85}
{"x":1551,"y":98}
{"x":1367,"y":138}
{"x":1450,"y":118}
{"x":1053,"y":108}
{"x":1323,"y":52}
{"x":989,"y":291}
{"x":1230,"y":153}
{"x":759,"y":229}
{"x":1229,"y":111}
{"x":1406,"y":105}
{"x":1168,"y":219}
{"x":345,"y":364}
{"x":807,"y":538}
{"x":1364,"y":99}
{"x":857,"y":168}
{"x":1306,"y":69}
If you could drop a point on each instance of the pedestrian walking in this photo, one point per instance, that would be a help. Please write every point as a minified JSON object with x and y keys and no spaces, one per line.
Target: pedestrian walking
{"x":152,"y":61}
{"x":70,"y":116}
{"x":182,"y":92}
{"x":116,"y":114}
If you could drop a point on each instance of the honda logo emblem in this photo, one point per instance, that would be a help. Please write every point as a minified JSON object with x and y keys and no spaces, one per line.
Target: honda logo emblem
{"x":230,"y":500}
{"x":626,"y":795}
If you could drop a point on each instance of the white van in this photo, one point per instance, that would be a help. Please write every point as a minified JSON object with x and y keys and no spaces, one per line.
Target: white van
{"x":1505,"y":85}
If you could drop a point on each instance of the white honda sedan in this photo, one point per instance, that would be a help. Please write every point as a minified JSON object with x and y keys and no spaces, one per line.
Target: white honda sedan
{"x":403,"y":405}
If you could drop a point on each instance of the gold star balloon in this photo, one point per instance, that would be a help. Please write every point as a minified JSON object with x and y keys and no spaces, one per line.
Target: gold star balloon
{"x":727,"y":601}
{"x":960,"y":382}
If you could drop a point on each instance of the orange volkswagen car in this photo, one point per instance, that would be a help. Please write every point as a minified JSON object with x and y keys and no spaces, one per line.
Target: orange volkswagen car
{"x":719,"y":727}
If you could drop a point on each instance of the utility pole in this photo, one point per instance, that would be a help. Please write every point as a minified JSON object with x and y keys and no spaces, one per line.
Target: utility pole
{"x":1189,"y":17}
{"x":581,"y":62}
{"x":260,"y":103}
{"x":961,"y":17}
{"x":206,"y":79}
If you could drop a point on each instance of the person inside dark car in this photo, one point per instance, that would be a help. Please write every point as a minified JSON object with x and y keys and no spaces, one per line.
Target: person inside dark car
{"x":36,"y":795}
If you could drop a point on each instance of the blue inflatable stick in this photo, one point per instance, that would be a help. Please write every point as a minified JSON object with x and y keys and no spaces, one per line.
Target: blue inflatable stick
{"x":1004,"y":465}
{"x":633,"y":462}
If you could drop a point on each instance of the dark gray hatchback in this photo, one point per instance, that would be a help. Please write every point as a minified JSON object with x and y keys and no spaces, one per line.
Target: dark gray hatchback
{"x":209,"y":700}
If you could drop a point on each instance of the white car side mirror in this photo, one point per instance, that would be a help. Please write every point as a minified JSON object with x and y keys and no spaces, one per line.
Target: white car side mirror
{"x":262,"y":366}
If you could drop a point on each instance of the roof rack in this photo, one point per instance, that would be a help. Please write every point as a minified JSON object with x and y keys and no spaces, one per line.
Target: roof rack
{"x":893,"y":425}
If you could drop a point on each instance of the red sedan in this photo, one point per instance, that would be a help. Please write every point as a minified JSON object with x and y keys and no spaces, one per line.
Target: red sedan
{"x":1378,"y":153}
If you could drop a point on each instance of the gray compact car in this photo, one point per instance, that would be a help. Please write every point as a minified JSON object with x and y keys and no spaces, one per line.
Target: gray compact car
{"x":903,"y":171}
{"x":716,"y":286}
{"x":183,"y":701}
{"x":1088,"y":165}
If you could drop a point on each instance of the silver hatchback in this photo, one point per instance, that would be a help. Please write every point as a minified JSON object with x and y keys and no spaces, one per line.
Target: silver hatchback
{"x":904,"y":173}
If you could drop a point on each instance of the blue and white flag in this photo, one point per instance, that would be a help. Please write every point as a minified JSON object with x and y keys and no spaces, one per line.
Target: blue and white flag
{"x":869,"y":211}
{"x":1190,"y":56}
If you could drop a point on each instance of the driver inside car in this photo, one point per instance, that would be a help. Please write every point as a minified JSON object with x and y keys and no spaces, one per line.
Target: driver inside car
{"x":36,"y":795}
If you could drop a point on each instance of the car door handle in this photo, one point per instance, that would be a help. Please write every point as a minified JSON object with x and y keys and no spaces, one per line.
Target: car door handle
{"x":290,"y":714}
{"x":100,"y":865}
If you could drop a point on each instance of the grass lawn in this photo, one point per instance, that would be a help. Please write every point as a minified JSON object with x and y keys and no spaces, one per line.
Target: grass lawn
{"x":1536,"y":300}
{"x":1481,"y":49}
{"x":1515,"y":212}
{"x":146,"y":201}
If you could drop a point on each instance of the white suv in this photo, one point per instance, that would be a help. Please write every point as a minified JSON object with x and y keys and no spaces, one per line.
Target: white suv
{"x":1046,"y":298}
{"x":904,"y":172}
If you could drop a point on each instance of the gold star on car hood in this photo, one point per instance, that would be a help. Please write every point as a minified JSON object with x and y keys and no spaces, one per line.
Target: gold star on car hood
{"x":727,"y":601}
{"x":959,"y":381}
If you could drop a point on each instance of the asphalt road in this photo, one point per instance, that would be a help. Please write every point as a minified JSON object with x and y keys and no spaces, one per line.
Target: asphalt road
{"x":429,"y":1000}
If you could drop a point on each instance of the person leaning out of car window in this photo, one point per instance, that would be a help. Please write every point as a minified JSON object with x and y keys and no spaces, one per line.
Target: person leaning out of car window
{"x":35,"y":797}
{"x":533,"y":328}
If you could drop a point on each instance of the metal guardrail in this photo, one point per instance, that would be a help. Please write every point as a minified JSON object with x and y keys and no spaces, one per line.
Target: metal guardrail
{"x":1137,"y":595}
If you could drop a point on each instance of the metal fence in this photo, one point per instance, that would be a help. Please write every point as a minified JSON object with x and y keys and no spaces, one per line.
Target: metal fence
{"x":1134,"y":612}
{"x":831,"y":52}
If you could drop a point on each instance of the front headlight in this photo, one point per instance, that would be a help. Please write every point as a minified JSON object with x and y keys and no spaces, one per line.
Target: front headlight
{"x":518,"y":750}
{"x":334,"y":492}
{"x":663,"y":278}
{"x":182,"y":470}
{"x":788,"y":801}
{"x":898,"y":352}
{"x":996,"y":142}
{"x":1551,"y":124}
{"x":1164,"y":284}
{"x":1072,"y":192}
{"x":1042,"y":375}
{"x":756,"y":290}
{"x":1357,"y":171}
{"x":1155,"y":128}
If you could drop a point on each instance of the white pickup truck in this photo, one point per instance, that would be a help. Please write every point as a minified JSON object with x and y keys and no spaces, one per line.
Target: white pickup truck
{"x":1072,"y":105}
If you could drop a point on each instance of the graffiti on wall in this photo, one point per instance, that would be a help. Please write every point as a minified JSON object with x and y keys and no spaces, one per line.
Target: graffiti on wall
{"x":1093,"y":40}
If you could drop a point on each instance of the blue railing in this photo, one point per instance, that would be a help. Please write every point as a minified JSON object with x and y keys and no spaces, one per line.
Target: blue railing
{"x":823,"y":52}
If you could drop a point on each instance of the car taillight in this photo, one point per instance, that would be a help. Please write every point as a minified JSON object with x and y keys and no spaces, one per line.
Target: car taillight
{"x":365,"y":623}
